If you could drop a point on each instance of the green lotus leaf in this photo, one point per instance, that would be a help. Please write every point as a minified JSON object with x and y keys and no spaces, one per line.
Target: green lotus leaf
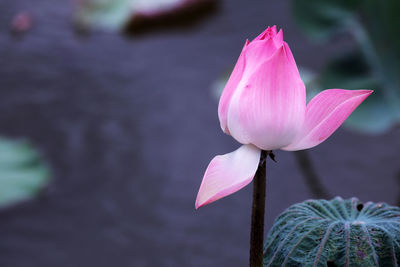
{"x":335,"y":233}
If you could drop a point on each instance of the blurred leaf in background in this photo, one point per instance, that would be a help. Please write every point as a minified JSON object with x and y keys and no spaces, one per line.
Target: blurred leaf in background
{"x":107,"y":14}
{"x":117,"y":15}
{"x":322,"y":18}
{"x":375,"y":62}
{"x":23,"y":174}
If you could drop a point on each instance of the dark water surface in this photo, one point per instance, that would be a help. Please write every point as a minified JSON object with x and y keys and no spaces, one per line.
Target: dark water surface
{"x":129,"y":126}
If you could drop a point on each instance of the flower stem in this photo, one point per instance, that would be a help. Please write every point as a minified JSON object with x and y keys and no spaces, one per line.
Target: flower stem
{"x":257,"y":213}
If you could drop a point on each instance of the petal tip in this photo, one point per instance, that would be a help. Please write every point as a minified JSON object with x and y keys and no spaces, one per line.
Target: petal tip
{"x":268,"y":33}
{"x":200,"y":204}
{"x":197,"y":205}
{"x":363,"y":94}
{"x":279,"y":38}
{"x":367,"y":92}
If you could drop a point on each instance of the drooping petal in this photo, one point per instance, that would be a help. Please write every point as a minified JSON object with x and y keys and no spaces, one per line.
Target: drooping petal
{"x":230,"y":88}
{"x":227,"y":174}
{"x":268,"y":108}
{"x":324,"y":114}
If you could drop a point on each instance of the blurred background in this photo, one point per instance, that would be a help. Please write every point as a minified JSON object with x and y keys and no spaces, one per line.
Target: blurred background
{"x":108,"y":118}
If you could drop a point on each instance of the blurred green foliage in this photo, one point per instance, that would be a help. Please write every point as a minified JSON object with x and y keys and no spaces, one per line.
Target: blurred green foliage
{"x":116,"y":14}
{"x":23,"y":174}
{"x":106,"y":14}
{"x":374,"y":63}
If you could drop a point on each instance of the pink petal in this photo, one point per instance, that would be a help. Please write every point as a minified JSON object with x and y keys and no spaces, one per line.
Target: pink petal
{"x":290,"y":57}
{"x":278,"y":39}
{"x":227,"y":174}
{"x":251,"y":57}
{"x":268,"y":109}
{"x":230,"y":88}
{"x":324,"y":114}
{"x":270,"y":32}
{"x":260,"y":51}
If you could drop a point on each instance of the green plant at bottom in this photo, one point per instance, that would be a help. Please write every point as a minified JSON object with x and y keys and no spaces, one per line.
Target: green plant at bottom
{"x":335,"y":233}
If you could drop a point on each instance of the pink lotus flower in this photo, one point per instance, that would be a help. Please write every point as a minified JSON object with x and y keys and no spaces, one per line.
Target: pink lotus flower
{"x":263,"y":106}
